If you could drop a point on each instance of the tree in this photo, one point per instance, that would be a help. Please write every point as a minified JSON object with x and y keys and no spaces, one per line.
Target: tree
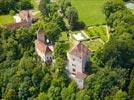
{"x":37,"y":76}
{"x":82,"y":95}
{"x":72,"y":16}
{"x":24,"y":92}
{"x":24,"y":37}
{"x":60,"y":50}
{"x":121,"y":18}
{"x":13,"y":5}
{"x":105,"y":82}
{"x":11,"y":95}
{"x":54,"y":92}
{"x":45,"y":83}
{"x":64,"y":4}
{"x":42,"y":96}
{"x":60,"y":78}
{"x":5,"y":6}
{"x":59,"y":20}
{"x":120,"y":95}
{"x":24,"y":5}
{"x":43,"y":7}
{"x":131,"y":85}
{"x":116,"y":53}
{"x":52,"y":31}
{"x":69,"y":92}
{"x":111,"y":6}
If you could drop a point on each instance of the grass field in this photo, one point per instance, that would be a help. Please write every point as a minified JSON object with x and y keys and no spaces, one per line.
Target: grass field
{"x":6,"y":19}
{"x":90,"y":11}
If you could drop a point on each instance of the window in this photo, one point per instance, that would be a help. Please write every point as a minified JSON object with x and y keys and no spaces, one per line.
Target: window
{"x":80,"y":81}
{"x":74,"y":70}
{"x":73,"y":73}
{"x":73,"y":65}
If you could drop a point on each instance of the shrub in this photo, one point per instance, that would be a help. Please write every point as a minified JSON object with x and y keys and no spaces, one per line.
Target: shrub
{"x":12,"y":12}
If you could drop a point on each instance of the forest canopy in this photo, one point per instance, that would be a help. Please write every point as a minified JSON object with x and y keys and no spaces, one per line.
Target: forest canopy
{"x":24,"y":76}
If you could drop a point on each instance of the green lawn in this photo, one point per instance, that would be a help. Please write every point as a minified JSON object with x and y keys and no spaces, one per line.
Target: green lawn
{"x":90,"y":11}
{"x":6,"y":19}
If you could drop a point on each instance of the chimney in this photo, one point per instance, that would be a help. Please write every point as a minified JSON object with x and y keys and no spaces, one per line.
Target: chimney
{"x":40,"y":35}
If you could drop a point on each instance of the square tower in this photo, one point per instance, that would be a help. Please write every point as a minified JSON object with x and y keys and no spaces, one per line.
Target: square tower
{"x":77,"y":59}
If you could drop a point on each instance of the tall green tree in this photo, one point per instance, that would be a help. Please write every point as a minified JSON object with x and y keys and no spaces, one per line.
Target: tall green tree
{"x":72,"y":16}
{"x":43,"y":7}
{"x":105,"y":82}
{"x":117,"y":52}
{"x":64,"y":4}
{"x":60,"y":50}
{"x":52,"y":32}
{"x":120,"y":95}
{"x":131,"y":86}
{"x":111,"y":6}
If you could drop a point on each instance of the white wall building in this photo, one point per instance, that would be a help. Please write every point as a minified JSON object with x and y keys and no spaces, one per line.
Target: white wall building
{"x":77,"y":59}
{"x":42,"y":49}
{"x":24,"y":15}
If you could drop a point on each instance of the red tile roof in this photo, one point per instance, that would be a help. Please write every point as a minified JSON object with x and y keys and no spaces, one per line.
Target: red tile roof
{"x":80,"y":75}
{"x":79,"y":50}
{"x":18,"y":25}
{"x":42,"y":46}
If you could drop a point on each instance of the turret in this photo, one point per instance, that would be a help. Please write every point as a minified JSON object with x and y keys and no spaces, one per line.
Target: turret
{"x":40,"y":35}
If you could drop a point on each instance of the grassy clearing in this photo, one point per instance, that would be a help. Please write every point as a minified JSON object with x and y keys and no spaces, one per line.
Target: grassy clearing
{"x":6,"y":19}
{"x":90,"y":11}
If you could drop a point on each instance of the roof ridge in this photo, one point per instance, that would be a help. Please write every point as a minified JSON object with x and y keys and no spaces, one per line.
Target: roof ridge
{"x":79,"y":50}
{"x":43,"y":47}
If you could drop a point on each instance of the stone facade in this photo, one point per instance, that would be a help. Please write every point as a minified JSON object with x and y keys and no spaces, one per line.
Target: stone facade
{"x":77,"y":60}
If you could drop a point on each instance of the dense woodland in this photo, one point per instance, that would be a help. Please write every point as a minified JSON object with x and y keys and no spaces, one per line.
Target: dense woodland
{"x":24,"y":76}
{"x":7,"y":6}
